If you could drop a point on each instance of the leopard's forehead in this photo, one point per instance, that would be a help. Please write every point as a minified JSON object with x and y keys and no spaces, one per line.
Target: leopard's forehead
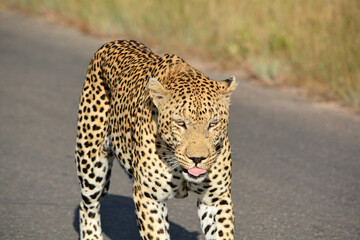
{"x":195,"y":89}
{"x":189,"y":82}
{"x":195,"y":96}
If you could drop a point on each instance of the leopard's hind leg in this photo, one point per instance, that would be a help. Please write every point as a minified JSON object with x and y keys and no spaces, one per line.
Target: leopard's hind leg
{"x":94,"y":155}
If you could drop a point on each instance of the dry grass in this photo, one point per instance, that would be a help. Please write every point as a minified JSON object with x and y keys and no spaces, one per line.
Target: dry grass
{"x":310,"y":44}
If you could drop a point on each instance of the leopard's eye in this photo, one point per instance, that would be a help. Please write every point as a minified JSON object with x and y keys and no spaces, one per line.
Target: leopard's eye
{"x":180,"y":123}
{"x":213,"y":124}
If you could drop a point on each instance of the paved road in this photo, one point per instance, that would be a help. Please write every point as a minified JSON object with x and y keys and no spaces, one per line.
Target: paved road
{"x":296,"y":165}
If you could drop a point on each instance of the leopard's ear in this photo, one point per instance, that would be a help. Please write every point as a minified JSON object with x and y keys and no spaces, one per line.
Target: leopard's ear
{"x":157,"y":92}
{"x":226,"y":87}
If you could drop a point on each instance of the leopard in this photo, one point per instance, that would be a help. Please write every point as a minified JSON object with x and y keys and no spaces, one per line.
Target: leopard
{"x":166,"y":123}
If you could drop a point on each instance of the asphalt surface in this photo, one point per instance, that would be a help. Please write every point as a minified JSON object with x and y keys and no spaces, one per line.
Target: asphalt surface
{"x":296,"y":170}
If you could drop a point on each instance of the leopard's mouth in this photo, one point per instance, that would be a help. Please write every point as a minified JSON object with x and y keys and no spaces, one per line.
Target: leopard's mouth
{"x":195,"y":172}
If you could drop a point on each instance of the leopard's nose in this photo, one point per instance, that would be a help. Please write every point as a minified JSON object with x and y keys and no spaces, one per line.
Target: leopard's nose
{"x":197,"y":160}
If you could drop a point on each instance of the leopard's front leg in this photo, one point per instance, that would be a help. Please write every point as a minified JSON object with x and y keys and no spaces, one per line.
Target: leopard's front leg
{"x":217,"y":217}
{"x":152,"y":215}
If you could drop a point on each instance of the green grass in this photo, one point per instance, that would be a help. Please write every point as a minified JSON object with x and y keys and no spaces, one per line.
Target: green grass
{"x":311,"y":44}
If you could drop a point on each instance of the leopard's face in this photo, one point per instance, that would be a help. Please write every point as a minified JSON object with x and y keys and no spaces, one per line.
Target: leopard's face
{"x":197,"y":140}
{"x":193,"y":124}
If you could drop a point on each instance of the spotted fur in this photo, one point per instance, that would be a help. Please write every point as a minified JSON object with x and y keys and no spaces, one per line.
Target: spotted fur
{"x":166,"y":123}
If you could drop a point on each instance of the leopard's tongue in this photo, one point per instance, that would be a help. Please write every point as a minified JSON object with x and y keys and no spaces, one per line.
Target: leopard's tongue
{"x":195,"y":171}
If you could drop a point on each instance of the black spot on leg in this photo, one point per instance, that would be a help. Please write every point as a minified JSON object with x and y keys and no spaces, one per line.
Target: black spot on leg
{"x":96,"y":127}
{"x":207,"y":229}
{"x":223,"y":202}
{"x":94,"y":196}
{"x":85,"y":199}
{"x":150,"y":227}
{"x":98,"y":164}
{"x":89,"y":185}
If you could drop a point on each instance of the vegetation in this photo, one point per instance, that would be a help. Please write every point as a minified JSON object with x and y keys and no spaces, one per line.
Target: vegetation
{"x":310,"y":44}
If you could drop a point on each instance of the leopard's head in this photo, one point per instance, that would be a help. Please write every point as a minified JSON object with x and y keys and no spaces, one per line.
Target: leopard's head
{"x":193,"y":116}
